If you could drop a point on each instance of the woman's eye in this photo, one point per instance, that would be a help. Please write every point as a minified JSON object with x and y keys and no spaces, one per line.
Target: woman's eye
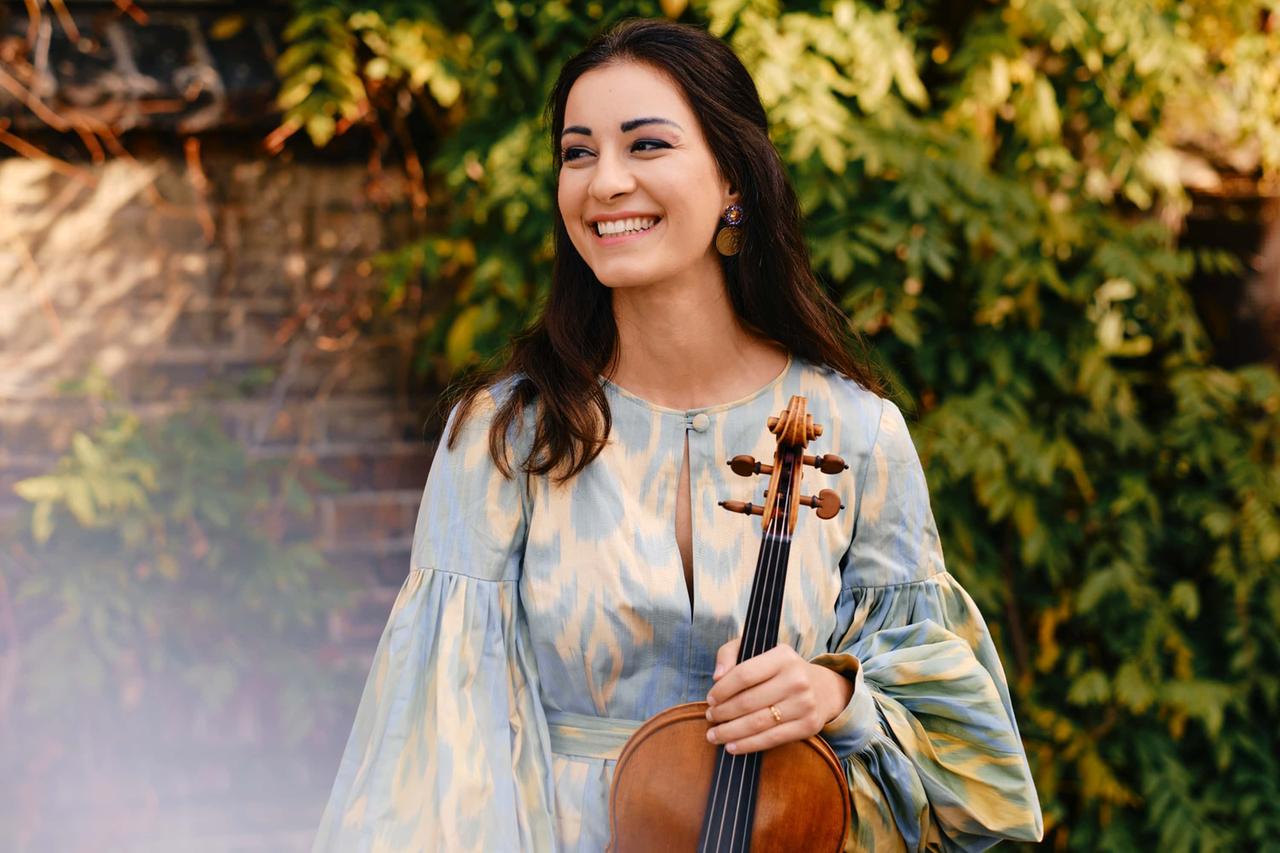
{"x":568,"y":155}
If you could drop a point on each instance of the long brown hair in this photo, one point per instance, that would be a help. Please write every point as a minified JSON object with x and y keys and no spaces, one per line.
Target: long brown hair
{"x":558,"y":361}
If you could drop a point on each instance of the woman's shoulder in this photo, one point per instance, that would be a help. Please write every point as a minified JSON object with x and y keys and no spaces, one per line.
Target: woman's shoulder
{"x":472,"y":411}
{"x":481,"y":402}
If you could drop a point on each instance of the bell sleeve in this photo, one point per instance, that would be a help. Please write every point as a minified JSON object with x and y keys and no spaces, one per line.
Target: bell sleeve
{"x":449,"y":749}
{"x":929,"y":742}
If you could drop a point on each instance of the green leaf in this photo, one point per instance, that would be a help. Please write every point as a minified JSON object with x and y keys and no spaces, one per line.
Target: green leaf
{"x":320,"y":128}
{"x":1184,"y":597}
{"x":80,"y":501}
{"x":42,"y":522}
{"x":86,"y":453}
{"x":1091,"y":688}
{"x":460,"y":347}
{"x":44,"y":488}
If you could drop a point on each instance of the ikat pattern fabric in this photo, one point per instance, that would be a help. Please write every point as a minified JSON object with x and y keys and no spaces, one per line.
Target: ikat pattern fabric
{"x":529,"y":603}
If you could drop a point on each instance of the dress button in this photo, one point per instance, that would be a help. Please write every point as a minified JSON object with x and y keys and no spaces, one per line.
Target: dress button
{"x":700,"y":422}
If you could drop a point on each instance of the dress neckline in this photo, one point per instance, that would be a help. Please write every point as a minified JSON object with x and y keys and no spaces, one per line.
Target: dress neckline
{"x":717,"y":407}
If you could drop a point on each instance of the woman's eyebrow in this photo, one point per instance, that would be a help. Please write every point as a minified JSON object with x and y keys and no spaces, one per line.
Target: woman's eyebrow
{"x":626,"y":126}
{"x":632,"y":124}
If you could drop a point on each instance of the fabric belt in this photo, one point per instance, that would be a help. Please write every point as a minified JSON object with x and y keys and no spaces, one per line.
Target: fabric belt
{"x":589,"y":737}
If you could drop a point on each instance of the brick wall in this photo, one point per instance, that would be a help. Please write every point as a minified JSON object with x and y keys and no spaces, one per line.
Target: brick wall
{"x":174,"y":294}
{"x":230,"y":293}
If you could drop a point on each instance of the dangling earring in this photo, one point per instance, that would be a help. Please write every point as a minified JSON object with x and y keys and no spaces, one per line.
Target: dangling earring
{"x":729,"y":238}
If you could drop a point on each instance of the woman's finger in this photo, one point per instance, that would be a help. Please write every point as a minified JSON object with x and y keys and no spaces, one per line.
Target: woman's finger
{"x":749,"y":713}
{"x":746,"y":725}
{"x":760,"y":730}
{"x":756,"y":697}
{"x":726,"y":657}
{"x":776,"y":736}
{"x":751,"y":671}
{"x":741,"y":676}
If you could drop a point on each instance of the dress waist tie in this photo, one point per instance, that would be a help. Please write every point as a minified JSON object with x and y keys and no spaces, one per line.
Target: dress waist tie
{"x":587,"y":736}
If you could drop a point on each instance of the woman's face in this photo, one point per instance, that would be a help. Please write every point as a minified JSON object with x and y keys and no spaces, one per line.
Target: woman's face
{"x":636,"y":165}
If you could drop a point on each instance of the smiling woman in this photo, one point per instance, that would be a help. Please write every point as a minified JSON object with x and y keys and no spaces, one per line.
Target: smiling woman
{"x":572,"y":575}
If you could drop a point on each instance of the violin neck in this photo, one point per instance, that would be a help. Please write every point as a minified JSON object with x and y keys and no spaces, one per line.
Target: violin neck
{"x":764,"y":610}
{"x":731,"y":803}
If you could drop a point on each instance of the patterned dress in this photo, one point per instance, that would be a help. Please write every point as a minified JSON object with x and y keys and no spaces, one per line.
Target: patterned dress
{"x":541,"y":623}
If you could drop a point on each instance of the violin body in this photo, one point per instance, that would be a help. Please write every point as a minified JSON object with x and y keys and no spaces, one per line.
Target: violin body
{"x":803,"y":803}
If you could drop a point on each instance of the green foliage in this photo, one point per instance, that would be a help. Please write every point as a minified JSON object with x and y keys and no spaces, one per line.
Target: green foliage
{"x":162,"y":585}
{"x":991,"y":191}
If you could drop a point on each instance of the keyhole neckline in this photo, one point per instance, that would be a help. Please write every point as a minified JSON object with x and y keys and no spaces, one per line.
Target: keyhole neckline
{"x":690,"y":413}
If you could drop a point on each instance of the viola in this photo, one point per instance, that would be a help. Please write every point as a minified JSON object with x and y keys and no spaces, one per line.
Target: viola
{"x":672,"y":789}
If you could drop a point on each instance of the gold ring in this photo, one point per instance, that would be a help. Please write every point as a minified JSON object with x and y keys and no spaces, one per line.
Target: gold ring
{"x":777,"y":715}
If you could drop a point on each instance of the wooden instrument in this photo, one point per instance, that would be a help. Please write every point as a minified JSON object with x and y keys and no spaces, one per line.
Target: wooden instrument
{"x":672,"y":790}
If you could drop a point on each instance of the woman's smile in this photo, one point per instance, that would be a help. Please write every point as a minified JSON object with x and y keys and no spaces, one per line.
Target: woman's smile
{"x":615,"y":231}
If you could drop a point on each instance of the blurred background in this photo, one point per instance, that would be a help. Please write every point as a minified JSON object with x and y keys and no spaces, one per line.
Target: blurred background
{"x":244,"y":247}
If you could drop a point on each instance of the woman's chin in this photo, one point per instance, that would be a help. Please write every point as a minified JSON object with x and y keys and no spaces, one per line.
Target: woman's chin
{"x":621,"y":279}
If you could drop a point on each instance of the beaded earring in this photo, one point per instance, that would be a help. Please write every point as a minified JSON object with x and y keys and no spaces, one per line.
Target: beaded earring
{"x":729,"y":238}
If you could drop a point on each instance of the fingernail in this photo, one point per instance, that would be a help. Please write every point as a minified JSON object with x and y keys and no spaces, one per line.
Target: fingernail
{"x":711,"y":700}
{"x":711,"y":735}
{"x":708,"y":713}
{"x":733,"y":747}
{"x":719,"y":671}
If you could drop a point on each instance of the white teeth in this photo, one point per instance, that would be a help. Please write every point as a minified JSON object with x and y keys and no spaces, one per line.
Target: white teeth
{"x":622,"y":226}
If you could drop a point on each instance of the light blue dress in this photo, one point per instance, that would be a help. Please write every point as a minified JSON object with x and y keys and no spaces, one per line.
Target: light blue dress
{"x":541,"y":623}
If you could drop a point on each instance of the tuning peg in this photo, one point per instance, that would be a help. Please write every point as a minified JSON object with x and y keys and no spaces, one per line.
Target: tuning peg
{"x":744,"y":508}
{"x":827,"y":463}
{"x":747,"y":466}
{"x":827,"y":503}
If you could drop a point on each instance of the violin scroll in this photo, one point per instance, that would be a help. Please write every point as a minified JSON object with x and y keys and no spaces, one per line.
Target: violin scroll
{"x":794,"y":429}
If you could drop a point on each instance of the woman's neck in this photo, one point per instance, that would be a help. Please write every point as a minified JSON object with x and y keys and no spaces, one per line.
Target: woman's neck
{"x":681,"y":345}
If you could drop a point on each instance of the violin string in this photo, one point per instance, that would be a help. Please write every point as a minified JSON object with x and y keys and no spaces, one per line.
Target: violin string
{"x":726,"y":763}
{"x":776,"y":584}
{"x":722,"y":788}
{"x":744,"y":769}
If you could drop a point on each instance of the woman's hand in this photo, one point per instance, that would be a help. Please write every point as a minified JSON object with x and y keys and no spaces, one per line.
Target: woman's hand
{"x":807,"y":697}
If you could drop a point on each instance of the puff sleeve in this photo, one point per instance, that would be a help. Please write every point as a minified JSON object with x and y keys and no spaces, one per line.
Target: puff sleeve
{"x":929,"y":740}
{"x":449,"y":749}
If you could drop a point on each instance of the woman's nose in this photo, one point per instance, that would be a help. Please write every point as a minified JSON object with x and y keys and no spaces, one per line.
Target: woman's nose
{"x":612,"y":176}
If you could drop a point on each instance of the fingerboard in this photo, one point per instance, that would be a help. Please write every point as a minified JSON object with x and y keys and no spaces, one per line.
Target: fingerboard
{"x":731,"y":804}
